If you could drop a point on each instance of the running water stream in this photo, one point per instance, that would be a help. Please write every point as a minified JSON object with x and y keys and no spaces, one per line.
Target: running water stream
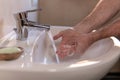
{"x":53,"y":45}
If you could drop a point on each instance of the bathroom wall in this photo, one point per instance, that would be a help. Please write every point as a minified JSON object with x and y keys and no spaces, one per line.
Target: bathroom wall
{"x":8,"y":8}
{"x":1,"y":28}
{"x":64,"y":12}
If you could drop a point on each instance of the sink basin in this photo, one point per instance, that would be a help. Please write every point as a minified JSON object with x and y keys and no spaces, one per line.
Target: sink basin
{"x":40,"y":62}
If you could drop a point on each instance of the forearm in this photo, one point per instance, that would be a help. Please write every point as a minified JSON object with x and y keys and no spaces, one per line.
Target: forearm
{"x":103,"y":11}
{"x":108,"y":31}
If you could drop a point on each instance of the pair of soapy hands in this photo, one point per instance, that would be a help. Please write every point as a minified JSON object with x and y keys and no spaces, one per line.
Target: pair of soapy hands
{"x":72,"y":42}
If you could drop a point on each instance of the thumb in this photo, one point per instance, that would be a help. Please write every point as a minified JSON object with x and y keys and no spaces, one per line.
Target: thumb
{"x":58,"y":36}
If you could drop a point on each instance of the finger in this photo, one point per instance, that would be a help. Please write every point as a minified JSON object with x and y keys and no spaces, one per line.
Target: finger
{"x":62,"y":53}
{"x":58,"y":35}
{"x":68,"y":41}
{"x":66,"y":53}
{"x":66,"y":50}
{"x":63,"y":50}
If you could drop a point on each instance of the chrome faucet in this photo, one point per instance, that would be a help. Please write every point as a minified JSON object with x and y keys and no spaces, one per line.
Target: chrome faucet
{"x":22,"y":23}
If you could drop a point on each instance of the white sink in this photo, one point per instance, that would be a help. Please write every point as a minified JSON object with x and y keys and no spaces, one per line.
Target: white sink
{"x":39,"y":61}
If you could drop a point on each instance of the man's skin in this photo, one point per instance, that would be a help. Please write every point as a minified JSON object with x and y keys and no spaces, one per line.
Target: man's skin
{"x":81,"y":36}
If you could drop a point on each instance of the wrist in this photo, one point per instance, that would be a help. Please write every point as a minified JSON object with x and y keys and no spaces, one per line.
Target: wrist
{"x":81,"y":29}
{"x":84,"y":27}
{"x":95,"y":36}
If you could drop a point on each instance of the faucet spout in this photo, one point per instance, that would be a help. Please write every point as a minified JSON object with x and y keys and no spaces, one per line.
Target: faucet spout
{"x":22,"y":35}
{"x":46,"y":27}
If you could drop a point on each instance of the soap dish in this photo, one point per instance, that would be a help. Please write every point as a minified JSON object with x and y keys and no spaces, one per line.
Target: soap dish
{"x":10,"y":53}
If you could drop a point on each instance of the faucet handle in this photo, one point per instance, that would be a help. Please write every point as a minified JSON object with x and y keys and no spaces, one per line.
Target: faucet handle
{"x":22,"y":16}
{"x":34,"y":10}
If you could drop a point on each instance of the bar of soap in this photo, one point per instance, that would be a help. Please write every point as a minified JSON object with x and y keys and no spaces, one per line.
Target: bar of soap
{"x":10,"y":53}
{"x":10,"y":50}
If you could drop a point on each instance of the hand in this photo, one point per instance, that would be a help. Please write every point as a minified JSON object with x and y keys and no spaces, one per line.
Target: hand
{"x":72,"y":42}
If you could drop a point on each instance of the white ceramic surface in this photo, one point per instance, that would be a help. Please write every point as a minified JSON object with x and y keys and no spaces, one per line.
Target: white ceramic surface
{"x":39,"y":61}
